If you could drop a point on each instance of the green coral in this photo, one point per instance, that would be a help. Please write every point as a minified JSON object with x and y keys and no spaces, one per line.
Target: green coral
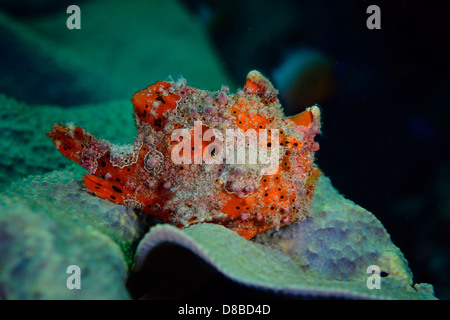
{"x":26,"y":150}
{"x":123,"y":46}
{"x":37,"y":249}
{"x":49,"y":222}
{"x":62,"y":195}
{"x":285,"y":263}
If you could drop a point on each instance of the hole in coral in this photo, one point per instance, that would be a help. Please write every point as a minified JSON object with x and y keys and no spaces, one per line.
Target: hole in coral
{"x":199,"y":280}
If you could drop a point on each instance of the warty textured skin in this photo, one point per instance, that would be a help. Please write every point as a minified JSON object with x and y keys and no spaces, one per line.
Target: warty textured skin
{"x":242,"y":197}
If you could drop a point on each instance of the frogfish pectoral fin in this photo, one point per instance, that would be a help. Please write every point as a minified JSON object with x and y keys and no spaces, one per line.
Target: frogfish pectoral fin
{"x":68,"y":140}
{"x":78,"y":145}
{"x":81,"y":147}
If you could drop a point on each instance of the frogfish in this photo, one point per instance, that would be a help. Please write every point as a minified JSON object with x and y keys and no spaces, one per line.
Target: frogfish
{"x":180,"y":170}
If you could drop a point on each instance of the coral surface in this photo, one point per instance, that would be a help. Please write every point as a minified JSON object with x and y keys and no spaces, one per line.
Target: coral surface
{"x":26,"y":150}
{"x":122,"y":45}
{"x":325,"y":256}
{"x":49,"y":222}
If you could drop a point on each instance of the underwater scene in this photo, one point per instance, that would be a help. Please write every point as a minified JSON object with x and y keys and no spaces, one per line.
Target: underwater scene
{"x":208,"y":149}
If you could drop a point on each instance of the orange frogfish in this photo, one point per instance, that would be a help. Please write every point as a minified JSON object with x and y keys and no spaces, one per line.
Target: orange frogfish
{"x":206,"y":157}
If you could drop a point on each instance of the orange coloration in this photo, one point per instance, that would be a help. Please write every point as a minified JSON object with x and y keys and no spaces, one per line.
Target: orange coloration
{"x":68,"y":147}
{"x":244,"y":121}
{"x":152,"y":103}
{"x":252,"y":87}
{"x":241,"y":196}
{"x":110,"y":190}
{"x":304,"y":118}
